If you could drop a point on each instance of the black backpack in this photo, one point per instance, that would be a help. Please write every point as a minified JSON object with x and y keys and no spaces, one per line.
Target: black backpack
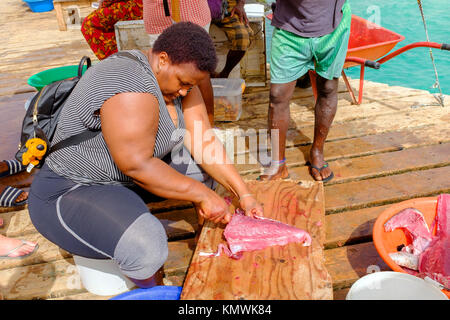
{"x":41,"y":118}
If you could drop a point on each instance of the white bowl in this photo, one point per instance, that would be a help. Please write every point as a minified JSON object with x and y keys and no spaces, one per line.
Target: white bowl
{"x":390,"y":285}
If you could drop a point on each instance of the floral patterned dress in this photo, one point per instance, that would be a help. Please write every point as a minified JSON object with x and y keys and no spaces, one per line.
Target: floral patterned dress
{"x":98,"y":27}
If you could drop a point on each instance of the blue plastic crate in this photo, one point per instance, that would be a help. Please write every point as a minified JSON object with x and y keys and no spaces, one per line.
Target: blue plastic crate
{"x":40,"y":5}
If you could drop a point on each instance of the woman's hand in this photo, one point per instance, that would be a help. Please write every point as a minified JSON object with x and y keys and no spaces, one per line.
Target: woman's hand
{"x":251,"y":206}
{"x":214,"y":208}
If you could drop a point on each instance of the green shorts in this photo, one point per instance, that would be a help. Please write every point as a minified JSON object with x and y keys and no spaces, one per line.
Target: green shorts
{"x":292,"y":55}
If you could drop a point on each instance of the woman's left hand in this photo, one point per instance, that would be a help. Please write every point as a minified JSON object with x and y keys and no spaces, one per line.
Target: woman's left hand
{"x":251,"y":206}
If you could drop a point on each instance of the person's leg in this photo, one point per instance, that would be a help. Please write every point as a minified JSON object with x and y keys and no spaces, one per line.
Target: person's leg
{"x":325,"y":110}
{"x":98,"y":27}
{"x":239,"y":34}
{"x":278,"y":119}
{"x":233,"y":58}
{"x":330,"y":52}
{"x":290,"y":59}
{"x":100,"y":222}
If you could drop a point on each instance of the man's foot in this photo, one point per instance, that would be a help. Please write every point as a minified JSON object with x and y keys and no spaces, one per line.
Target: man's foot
{"x":319,"y":169}
{"x":15,"y":248}
{"x":6,"y":195}
{"x":281,"y":173}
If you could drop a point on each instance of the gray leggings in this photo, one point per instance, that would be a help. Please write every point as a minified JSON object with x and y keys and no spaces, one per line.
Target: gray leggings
{"x":104,"y":221}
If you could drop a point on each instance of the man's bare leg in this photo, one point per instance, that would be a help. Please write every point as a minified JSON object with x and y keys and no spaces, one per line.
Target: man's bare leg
{"x":325,"y":110}
{"x":278,"y":119}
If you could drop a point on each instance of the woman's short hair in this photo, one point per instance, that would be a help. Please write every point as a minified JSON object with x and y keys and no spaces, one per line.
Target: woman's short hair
{"x":186,"y":42}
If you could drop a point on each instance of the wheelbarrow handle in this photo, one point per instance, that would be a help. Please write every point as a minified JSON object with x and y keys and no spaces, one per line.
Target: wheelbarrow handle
{"x":362,"y":61}
{"x":372,"y":64}
{"x":445,"y":46}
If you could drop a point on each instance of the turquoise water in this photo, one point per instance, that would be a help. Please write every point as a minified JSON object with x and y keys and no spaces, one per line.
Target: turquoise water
{"x":413,"y":68}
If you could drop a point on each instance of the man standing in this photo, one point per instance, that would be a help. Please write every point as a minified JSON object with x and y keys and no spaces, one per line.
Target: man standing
{"x":309,"y":34}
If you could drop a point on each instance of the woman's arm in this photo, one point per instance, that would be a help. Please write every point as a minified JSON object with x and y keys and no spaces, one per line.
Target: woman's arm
{"x":209,"y":152}
{"x":129,"y":126}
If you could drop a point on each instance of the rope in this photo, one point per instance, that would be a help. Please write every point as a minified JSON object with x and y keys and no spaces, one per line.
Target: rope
{"x":440,"y":97}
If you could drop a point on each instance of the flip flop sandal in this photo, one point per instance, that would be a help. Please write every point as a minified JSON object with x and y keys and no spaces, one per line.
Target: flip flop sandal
{"x":6,"y":256}
{"x":8,"y":197}
{"x":331,"y":176}
{"x":14,"y":166}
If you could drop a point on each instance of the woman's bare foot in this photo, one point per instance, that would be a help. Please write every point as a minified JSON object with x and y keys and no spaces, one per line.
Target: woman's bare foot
{"x":7,"y":245}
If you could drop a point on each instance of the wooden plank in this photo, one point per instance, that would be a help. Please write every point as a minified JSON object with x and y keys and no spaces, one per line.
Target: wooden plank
{"x":13,"y":112}
{"x":17,"y":224}
{"x":351,"y":227}
{"x":387,"y":189}
{"x":349,"y":263}
{"x":302,"y":108}
{"x":179,"y":224}
{"x":299,"y":133}
{"x":60,"y":278}
{"x":279,"y":272}
{"x":358,"y":147}
{"x":380,"y":164}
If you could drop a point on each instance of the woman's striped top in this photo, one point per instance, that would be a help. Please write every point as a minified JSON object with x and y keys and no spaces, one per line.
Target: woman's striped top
{"x":90,"y":161}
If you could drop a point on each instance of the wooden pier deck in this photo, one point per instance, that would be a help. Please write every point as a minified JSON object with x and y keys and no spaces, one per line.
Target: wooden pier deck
{"x":391,"y":148}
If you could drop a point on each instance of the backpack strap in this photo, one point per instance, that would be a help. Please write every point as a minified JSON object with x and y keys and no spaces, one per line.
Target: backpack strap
{"x":75,"y":139}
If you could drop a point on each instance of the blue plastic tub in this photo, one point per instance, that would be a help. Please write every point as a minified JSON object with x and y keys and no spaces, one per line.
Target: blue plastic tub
{"x":155,"y":293}
{"x":40,"y":5}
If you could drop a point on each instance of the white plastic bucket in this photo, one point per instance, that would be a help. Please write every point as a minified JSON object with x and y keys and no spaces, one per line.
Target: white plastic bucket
{"x":389,"y":285}
{"x":102,"y":277}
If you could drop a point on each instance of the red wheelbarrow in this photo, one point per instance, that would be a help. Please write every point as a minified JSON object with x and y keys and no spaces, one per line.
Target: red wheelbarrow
{"x":368,"y":44}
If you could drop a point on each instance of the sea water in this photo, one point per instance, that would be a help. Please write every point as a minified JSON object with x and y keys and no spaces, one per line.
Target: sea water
{"x":412,"y":68}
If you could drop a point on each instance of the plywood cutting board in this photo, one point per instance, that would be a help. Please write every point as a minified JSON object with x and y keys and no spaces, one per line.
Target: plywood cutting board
{"x":279,"y":272}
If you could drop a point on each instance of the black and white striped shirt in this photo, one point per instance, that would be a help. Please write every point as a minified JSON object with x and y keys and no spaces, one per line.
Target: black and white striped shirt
{"x":90,"y":161}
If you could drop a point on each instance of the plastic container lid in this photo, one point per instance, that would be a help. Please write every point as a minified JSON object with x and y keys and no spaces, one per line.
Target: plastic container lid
{"x":254,"y":10}
{"x":227,"y":86}
{"x":155,"y":293}
{"x":390,"y":285}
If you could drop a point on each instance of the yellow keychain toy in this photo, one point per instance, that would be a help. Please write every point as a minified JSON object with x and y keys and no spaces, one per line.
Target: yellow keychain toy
{"x":36,"y":149}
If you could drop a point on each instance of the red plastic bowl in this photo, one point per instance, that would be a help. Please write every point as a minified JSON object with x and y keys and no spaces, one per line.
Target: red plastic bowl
{"x":387,"y":242}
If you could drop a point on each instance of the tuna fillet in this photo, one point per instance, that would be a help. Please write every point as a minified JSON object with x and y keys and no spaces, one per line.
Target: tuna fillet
{"x":248,"y":234}
{"x":415,"y":226}
{"x":435,"y":260}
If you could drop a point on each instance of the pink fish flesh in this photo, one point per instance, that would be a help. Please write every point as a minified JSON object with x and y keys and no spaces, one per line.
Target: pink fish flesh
{"x":248,"y":234}
{"x":415,"y":226}
{"x":435,"y":260}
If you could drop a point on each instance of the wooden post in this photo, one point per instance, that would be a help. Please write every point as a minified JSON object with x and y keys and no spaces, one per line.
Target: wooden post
{"x":60,"y":16}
